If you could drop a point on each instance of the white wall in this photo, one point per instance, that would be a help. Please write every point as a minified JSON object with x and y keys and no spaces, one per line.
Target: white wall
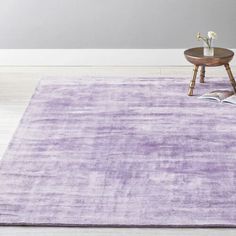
{"x":114,"y":24}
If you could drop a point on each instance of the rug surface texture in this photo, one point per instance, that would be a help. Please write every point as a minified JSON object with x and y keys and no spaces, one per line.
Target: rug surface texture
{"x":121,"y":152}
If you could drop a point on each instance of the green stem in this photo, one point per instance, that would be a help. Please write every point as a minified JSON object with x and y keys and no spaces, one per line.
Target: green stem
{"x":207,"y":41}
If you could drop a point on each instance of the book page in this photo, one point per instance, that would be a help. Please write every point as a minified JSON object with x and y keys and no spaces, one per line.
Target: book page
{"x":231,"y":99}
{"x":218,"y":95}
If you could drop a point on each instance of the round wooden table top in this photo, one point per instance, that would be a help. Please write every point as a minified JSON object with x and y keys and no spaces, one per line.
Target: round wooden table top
{"x":221,"y":57}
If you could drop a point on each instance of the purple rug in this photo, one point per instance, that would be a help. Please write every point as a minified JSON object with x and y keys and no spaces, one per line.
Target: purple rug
{"x":121,"y":152}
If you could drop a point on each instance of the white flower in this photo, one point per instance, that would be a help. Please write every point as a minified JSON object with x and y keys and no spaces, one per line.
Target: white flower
{"x":198,"y":36}
{"x":211,"y":35}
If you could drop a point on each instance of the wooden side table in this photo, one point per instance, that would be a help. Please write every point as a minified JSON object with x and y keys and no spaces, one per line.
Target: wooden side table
{"x":222,"y":57}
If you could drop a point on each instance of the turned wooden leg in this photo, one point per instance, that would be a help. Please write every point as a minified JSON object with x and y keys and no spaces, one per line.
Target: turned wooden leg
{"x":202,"y":75}
{"x":231,"y":77}
{"x":192,"y":83}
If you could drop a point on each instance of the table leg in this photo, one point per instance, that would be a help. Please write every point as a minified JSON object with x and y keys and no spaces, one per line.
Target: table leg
{"x":192,"y":83}
{"x":231,"y":77}
{"x":202,"y":75}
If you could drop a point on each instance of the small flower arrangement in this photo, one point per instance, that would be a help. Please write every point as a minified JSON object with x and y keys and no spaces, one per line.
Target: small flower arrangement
{"x":208,"y":39}
{"x":207,"y":43}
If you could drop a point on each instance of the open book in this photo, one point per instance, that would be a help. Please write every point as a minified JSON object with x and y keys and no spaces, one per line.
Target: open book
{"x":221,"y":96}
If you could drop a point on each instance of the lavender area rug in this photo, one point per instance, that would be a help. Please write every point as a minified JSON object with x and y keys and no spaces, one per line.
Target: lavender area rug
{"x":121,"y":152}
